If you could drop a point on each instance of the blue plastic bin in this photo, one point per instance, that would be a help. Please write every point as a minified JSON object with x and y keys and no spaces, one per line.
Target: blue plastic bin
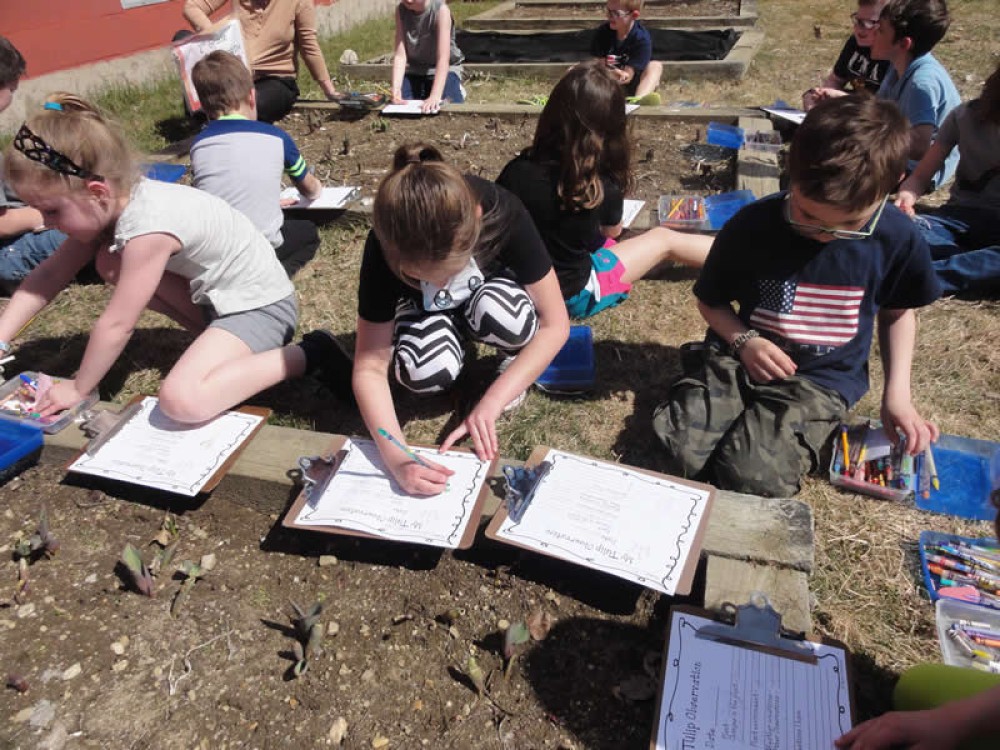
{"x":728,"y":136}
{"x":573,"y":370}
{"x":936,"y":539}
{"x":722,"y":207}
{"x":164,"y":172}
{"x":969,"y":470}
{"x":20,"y":446}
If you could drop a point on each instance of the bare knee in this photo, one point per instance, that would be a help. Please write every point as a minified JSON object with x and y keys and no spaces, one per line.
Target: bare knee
{"x":182,"y":403}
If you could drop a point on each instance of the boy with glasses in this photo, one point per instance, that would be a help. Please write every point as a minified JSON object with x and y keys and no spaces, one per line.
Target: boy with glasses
{"x":810,"y":272}
{"x":628,"y":49}
{"x":854,"y":68}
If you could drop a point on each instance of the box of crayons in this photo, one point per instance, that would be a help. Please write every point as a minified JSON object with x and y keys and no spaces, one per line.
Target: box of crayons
{"x":961,"y":568}
{"x":969,"y":636}
{"x":683,"y":212}
{"x":865,"y":461}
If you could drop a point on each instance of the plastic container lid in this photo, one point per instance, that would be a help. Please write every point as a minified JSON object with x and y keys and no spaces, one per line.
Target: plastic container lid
{"x":683,"y":212}
{"x":968,"y":471}
{"x":17,"y":442}
{"x":728,"y":136}
{"x":948,"y":611}
{"x":573,"y":368}
{"x":722,"y":207}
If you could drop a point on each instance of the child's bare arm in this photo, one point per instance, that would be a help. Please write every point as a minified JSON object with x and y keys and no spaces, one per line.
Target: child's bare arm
{"x":398,"y":62}
{"x":19,"y":220}
{"x":919,"y":180}
{"x":443,"y":58}
{"x":920,"y":140}
{"x":763,"y":359}
{"x":196,"y":12}
{"x":309,"y":186}
{"x":897,"y":332}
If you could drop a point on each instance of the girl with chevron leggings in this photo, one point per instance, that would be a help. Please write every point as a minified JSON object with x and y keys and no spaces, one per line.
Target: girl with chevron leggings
{"x":451,"y":258}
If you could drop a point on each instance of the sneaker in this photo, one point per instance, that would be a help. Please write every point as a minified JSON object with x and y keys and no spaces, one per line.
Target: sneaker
{"x":652,"y":99}
{"x":516,"y":402}
{"x":327,"y":360}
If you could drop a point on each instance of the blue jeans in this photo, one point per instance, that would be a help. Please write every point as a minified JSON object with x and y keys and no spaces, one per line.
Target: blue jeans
{"x":419,"y":87}
{"x":965,"y":247}
{"x":19,"y":255}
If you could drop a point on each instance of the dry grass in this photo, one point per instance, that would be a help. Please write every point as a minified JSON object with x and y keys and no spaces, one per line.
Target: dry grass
{"x":866,"y":583}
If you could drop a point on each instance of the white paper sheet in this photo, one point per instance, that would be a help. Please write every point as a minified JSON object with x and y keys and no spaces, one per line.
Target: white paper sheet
{"x":611,"y":518}
{"x":154,"y":451}
{"x":330,"y":198}
{"x":362,"y":496}
{"x":630,"y":211}
{"x":226,"y":37}
{"x":630,"y":108}
{"x":717,"y":696}
{"x":793,"y":115}
{"x":411,"y":107}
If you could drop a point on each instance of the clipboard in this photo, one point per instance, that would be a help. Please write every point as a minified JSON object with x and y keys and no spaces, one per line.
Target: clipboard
{"x":318,"y":472}
{"x":535,"y":461}
{"x":132,"y":408}
{"x":756,"y":629}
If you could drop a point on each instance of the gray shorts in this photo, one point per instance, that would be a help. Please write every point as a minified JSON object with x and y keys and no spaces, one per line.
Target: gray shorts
{"x":263,"y":328}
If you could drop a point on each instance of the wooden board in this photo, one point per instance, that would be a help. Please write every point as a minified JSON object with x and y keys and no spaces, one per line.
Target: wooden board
{"x":728,"y":580}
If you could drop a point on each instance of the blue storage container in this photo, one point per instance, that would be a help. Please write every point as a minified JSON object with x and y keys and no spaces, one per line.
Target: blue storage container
{"x":936,"y":539}
{"x":573,"y":369}
{"x":969,"y":470}
{"x":164,"y":172}
{"x":20,"y":446}
{"x":722,"y":207}
{"x":728,"y":136}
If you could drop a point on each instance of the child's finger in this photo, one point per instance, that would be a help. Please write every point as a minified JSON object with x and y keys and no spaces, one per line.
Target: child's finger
{"x":453,"y":437}
{"x":437,"y":469}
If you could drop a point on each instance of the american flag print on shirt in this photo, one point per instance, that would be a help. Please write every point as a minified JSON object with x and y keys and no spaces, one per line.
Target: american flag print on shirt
{"x":808,"y":314}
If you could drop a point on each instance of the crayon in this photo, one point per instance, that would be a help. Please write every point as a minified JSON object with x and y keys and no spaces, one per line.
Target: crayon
{"x":846,"y":448}
{"x":932,"y":468}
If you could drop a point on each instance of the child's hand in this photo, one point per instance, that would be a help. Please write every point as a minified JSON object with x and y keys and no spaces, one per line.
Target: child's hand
{"x":915,"y":730}
{"x":422,"y":480}
{"x":397,"y":98}
{"x":431,"y":105}
{"x":905,"y":200}
{"x":481,"y":425}
{"x":765,"y":361}
{"x":62,"y":395}
{"x":899,"y":415}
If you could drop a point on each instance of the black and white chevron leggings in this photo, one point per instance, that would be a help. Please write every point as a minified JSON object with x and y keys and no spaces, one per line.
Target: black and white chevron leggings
{"x":430,"y":346}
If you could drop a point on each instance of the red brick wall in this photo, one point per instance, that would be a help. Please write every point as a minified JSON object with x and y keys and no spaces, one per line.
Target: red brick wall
{"x":59,"y":34}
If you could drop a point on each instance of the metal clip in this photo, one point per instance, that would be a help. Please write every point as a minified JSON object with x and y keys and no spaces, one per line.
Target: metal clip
{"x":314,"y":486}
{"x":520,"y":485}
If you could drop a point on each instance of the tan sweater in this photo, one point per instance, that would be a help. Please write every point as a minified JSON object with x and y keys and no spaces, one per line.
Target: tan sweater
{"x":273,"y":32}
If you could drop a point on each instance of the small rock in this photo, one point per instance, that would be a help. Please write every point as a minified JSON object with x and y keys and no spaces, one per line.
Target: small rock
{"x":71,"y":672}
{"x":22,"y":716}
{"x":552,"y":597}
{"x":7,"y":625}
{"x":380,"y":741}
{"x":349,"y":57}
{"x":332,"y":628}
{"x":56,"y":739}
{"x":119,"y":646}
{"x":368,"y":675}
{"x":42,"y":714}
{"x":198,"y":532}
{"x":328,"y":561}
{"x":338,"y":731}
{"x":208,"y":561}
{"x":344,"y":670}
{"x":92,"y":578}
{"x":26,"y":610}
{"x":120,"y":666}
{"x":503,"y":624}
{"x":365,"y":630}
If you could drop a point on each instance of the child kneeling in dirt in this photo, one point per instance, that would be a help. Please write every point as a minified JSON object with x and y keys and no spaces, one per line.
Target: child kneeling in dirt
{"x":810,"y":270}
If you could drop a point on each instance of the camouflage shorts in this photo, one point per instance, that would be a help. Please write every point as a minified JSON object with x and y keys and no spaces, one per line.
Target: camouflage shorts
{"x":721,"y":427}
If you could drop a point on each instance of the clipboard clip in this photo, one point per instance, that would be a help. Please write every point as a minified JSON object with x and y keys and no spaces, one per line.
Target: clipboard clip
{"x":758,"y":626}
{"x":316,"y":473}
{"x":520,"y":483}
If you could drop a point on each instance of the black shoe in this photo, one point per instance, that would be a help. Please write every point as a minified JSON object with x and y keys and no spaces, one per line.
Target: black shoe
{"x":327,"y":360}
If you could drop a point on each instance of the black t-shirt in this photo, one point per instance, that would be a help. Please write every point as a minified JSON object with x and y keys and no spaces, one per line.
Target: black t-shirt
{"x":570,"y":236}
{"x":815,"y":300}
{"x":521,"y":253}
{"x":855,"y":64}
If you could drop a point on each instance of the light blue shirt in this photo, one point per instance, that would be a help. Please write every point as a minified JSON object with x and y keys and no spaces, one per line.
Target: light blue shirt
{"x":926,"y":94}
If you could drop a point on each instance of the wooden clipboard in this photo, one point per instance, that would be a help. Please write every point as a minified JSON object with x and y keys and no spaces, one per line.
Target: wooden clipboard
{"x":686,"y":578}
{"x":321,"y":480}
{"x":757,"y":628}
{"x":95,"y":444}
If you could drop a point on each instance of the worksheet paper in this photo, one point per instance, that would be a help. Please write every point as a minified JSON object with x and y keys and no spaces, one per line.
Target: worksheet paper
{"x":790,"y":114}
{"x":611,"y":518}
{"x":330,"y":198}
{"x":155,"y":451}
{"x":362,"y":496}
{"x":630,"y":210}
{"x":411,"y":107}
{"x":720,"y":696}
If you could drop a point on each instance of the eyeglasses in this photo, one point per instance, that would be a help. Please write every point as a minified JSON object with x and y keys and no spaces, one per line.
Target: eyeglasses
{"x":617,"y":13}
{"x":36,"y":149}
{"x":865,"y":23}
{"x":841,"y":234}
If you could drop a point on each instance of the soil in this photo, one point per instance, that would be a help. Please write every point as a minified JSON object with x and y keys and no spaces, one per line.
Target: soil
{"x":679,"y":9}
{"x":670,"y":156}
{"x":105,"y":667}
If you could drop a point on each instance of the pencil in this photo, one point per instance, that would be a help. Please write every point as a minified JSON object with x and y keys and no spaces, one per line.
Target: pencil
{"x":406,"y":449}
{"x":933,"y":468}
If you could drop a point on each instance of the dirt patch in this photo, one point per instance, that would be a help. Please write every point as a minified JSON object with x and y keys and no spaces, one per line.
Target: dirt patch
{"x":693,"y":8}
{"x":670,"y":156}
{"x":111,"y":668}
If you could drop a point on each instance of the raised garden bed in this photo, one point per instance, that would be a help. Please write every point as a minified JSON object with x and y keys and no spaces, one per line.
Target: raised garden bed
{"x":535,"y":15}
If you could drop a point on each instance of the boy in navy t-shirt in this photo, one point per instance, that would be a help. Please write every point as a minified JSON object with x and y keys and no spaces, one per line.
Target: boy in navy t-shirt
{"x":810,"y":271}
{"x":628,"y":49}
{"x":241,"y":160}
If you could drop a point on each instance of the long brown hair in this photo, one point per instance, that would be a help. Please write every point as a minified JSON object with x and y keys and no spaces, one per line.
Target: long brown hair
{"x":583,"y":130}
{"x":987,"y":106}
{"x":425,"y":212}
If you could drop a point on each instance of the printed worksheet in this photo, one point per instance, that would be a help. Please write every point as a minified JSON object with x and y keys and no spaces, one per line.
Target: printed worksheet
{"x":411,"y":107}
{"x":791,"y":114}
{"x":330,"y":198}
{"x":612,"y":518}
{"x":362,"y":496}
{"x":630,"y":210}
{"x":226,"y":37}
{"x":721,"y":696}
{"x":155,"y":451}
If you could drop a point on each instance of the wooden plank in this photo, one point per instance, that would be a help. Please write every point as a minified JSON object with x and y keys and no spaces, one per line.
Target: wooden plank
{"x":757,"y":171}
{"x":754,"y":124}
{"x":734,"y":581}
{"x":761,"y":529}
{"x":489,"y":22}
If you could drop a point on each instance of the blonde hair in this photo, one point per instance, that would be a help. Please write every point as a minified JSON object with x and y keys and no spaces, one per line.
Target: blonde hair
{"x":76,"y":130}
{"x":631,"y":5}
